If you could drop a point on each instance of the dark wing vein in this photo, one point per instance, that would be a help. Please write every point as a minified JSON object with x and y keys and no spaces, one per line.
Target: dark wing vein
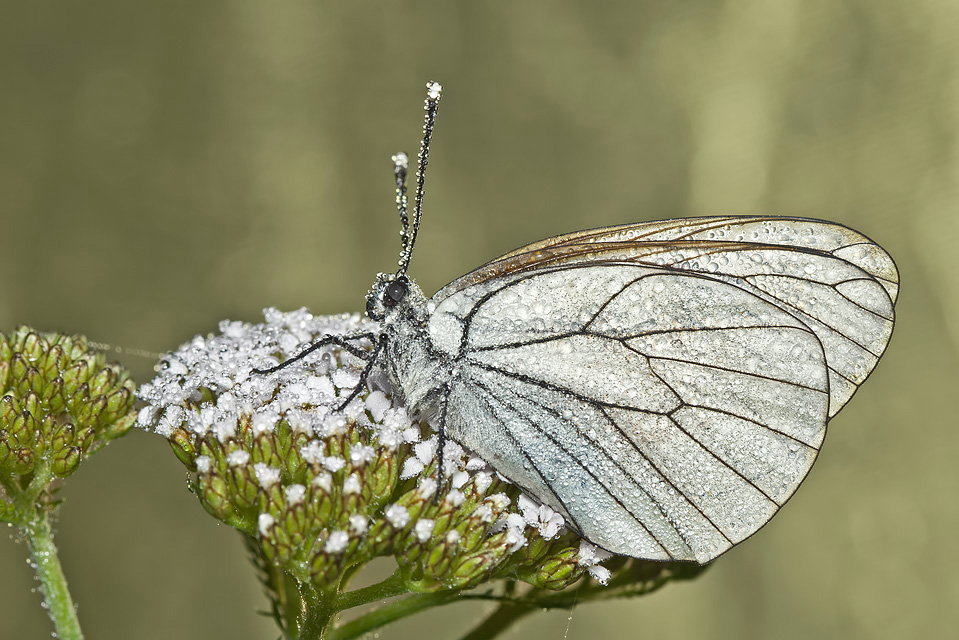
{"x":719,"y":368}
{"x":665,"y":477}
{"x":744,"y":419}
{"x":506,"y":425}
{"x":552,"y":387}
{"x":705,"y":448}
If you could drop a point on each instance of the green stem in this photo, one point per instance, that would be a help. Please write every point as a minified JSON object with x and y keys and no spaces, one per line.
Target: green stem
{"x":287,"y":607}
{"x":319,"y":610}
{"x":392,"y":586}
{"x":389,"y":613}
{"x":499,"y":621}
{"x":47,"y":565}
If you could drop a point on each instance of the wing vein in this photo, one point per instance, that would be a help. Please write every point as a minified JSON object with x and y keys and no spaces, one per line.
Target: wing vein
{"x":492,"y":394}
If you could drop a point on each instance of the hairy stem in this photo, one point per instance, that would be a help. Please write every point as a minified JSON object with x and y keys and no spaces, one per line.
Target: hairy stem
{"x":47,"y":565}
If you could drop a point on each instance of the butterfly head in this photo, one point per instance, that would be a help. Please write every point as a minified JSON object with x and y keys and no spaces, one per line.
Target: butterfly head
{"x":388,"y":295}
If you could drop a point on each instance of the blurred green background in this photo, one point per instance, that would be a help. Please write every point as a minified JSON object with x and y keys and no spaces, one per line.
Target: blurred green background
{"x":167,"y":165}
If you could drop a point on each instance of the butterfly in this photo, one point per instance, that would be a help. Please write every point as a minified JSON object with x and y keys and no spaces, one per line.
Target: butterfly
{"x":665,"y":386}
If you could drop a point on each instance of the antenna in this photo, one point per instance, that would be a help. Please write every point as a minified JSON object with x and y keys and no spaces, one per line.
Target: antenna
{"x":401,"y":164}
{"x":433,"y":93}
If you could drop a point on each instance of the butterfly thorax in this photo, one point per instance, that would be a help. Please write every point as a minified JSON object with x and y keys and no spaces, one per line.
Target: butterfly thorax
{"x":417,"y":371}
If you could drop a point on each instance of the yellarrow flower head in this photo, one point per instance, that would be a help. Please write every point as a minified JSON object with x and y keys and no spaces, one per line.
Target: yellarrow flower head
{"x":322,"y":491}
{"x":60,"y":402}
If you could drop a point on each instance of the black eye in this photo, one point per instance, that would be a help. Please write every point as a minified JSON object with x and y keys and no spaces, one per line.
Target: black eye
{"x":395,"y":291}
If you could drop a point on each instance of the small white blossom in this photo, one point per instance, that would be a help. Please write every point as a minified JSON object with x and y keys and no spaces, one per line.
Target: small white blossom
{"x":459,"y":478}
{"x":515,"y":526}
{"x":378,"y":404}
{"x":266,"y":475}
{"x":361,"y":453}
{"x":313,"y":452}
{"x":264,"y":422}
{"x":145,"y":416}
{"x":295,"y":493}
{"x":359,"y":524}
{"x":423,"y":529}
{"x":411,"y":468}
{"x":398,"y":419}
{"x":352,"y":485}
{"x":203,"y":464}
{"x":398,"y":516}
{"x":475,"y":464}
{"x":225,"y":429}
{"x":237,"y":458}
{"x":548,"y":522}
{"x":427,"y":487}
{"x":264,"y":523}
{"x":483,"y":513}
{"x":337,"y":542}
{"x":499,"y":500}
{"x":589,"y":557}
{"x":345,"y":379}
{"x":333,"y":464}
{"x":455,"y":498}
{"x":482,"y":482}
{"x":425,"y":450}
{"x":600,"y":574}
{"x":323,"y":481}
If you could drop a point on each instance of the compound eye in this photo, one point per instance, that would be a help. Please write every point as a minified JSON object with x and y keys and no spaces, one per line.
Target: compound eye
{"x":395,"y":291}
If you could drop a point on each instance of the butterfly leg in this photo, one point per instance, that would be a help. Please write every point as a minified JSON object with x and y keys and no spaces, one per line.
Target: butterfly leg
{"x":371,"y":362}
{"x":440,"y":449}
{"x":344,"y":342}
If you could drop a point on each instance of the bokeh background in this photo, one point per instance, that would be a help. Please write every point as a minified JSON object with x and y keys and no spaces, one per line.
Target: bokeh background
{"x":166,"y":165}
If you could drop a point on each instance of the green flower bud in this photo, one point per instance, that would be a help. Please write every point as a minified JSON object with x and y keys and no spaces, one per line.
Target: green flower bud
{"x":22,"y":461}
{"x":23,"y":429}
{"x":4,"y":374}
{"x":557,"y":572}
{"x":66,"y":462}
{"x":76,"y":374}
{"x":183,"y":447}
{"x":9,"y":408}
{"x":34,"y":346}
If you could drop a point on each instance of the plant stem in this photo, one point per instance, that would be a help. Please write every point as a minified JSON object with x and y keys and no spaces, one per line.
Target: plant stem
{"x":392,"y":586}
{"x":319,"y":610}
{"x":390,"y":612}
{"x":47,"y":565}
{"x":499,"y":621}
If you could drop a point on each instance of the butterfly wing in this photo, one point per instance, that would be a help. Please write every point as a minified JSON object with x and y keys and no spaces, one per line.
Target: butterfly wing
{"x":666,"y":411}
{"x":833,"y":279}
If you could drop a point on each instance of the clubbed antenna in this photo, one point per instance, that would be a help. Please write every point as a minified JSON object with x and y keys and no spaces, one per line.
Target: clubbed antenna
{"x":433,"y":93}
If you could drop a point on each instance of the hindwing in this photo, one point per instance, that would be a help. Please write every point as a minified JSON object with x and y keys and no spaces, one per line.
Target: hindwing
{"x":666,"y":408}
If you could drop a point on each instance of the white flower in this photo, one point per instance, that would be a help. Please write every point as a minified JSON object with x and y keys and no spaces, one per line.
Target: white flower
{"x":337,"y":542}
{"x":266,"y":475}
{"x":397,"y":515}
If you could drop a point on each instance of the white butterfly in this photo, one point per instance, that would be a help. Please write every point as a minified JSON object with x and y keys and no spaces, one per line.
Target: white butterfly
{"x":665,"y":386}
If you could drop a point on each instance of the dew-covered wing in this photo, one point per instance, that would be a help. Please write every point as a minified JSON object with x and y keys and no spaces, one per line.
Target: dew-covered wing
{"x":834,"y":280}
{"x":667,"y":414}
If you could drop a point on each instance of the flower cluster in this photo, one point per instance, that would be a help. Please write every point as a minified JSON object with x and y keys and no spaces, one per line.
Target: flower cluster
{"x":59,"y":403}
{"x":323,"y":491}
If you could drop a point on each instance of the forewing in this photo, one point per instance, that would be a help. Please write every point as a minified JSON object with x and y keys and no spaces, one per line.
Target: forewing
{"x":666,"y":414}
{"x":834,"y":280}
